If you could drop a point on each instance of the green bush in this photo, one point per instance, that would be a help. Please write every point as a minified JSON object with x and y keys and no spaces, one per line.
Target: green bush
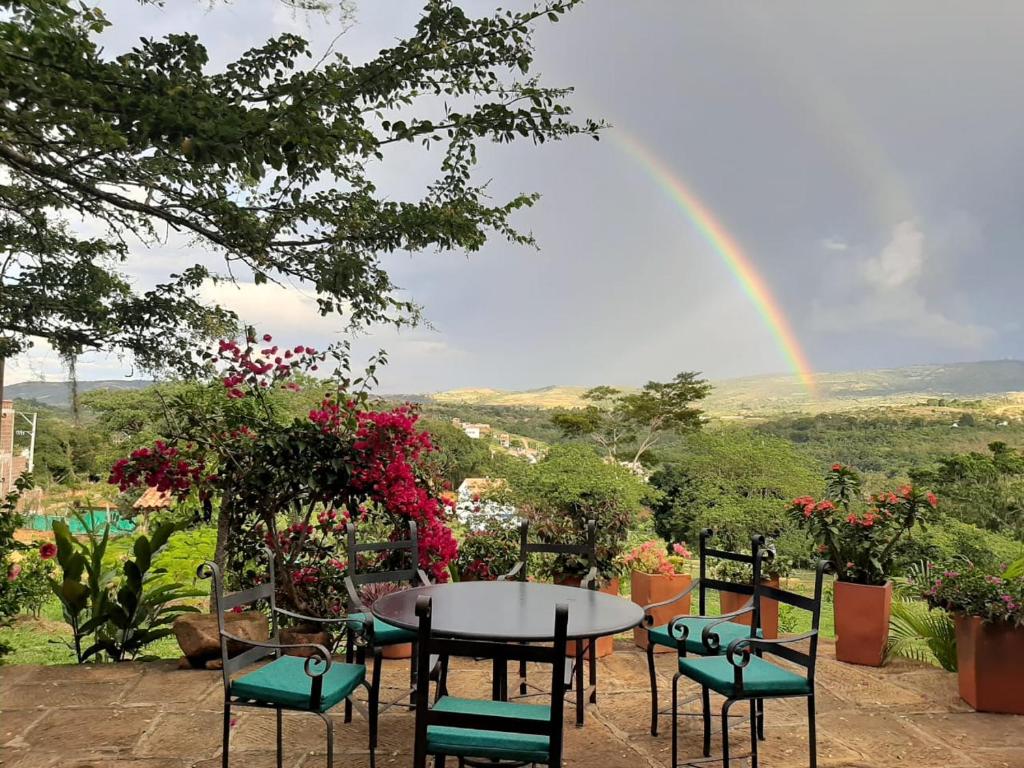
{"x":947,"y":539}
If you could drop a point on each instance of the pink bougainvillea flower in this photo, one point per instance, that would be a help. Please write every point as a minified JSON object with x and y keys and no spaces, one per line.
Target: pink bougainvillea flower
{"x":48,"y":550}
{"x":13,"y":572}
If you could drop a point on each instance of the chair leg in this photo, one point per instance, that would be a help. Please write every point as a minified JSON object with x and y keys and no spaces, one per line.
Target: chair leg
{"x":760,"y":719}
{"x":579,"y":684}
{"x":226,"y":744}
{"x":372,"y":714}
{"x":725,"y":732}
{"x":378,"y":662}
{"x":811,"y":736}
{"x":705,"y":701}
{"x":413,"y":675}
{"x":280,"y":739}
{"x":593,"y":671}
{"x":442,"y":680}
{"x":330,"y":738}
{"x":438,"y":761}
{"x":654,"y":688}
{"x":753,"y":732}
{"x":522,"y":677}
{"x":675,"y":720}
{"x":350,"y":640}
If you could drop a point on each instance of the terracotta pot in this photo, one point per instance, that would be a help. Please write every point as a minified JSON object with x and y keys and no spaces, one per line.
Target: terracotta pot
{"x":730,"y":601}
{"x":990,"y":660}
{"x":304,"y":634}
{"x":647,"y":588}
{"x":400,"y":651}
{"x":862,"y":622}
{"x":605,"y":645}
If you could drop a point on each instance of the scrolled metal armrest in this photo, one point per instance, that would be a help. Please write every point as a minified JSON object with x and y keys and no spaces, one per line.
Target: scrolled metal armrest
{"x":748,"y":644}
{"x":423,"y":578}
{"x":649,"y":619}
{"x":674,"y":624}
{"x":710,"y":638}
{"x":512,"y":574}
{"x":319,"y":653}
{"x":589,"y":579}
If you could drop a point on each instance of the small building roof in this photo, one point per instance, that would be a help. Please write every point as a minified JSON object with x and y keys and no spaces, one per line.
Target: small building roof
{"x":153,"y":499}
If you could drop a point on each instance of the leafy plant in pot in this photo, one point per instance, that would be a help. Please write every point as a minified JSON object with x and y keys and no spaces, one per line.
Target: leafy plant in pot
{"x":656,"y":576}
{"x":773,"y":570}
{"x":988,"y":612}
{"x":370,"y":594}
{"x":860,"y":539}
{"x":487,"y":553}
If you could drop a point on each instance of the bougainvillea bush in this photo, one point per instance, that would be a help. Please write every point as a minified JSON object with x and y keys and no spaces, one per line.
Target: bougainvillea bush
{"x":860,"y":537}
{"x":294,"y":485}
{"x":991,"y":594}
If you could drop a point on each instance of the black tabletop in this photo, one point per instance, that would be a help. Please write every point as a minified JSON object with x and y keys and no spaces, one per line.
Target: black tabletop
{"x":510,"y":610}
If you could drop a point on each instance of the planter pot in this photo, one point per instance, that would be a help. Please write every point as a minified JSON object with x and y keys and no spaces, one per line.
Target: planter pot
{"x":730,"y":601}
{"x":400,"y":651}
{"x":647,"y":588}
{"x":605,"y":645}
{"x":862,"y":622}
{"x":304,"y":633}
{"x":990,"y":663}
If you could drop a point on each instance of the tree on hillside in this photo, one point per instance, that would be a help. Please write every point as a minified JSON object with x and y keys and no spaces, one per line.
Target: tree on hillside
{"x":265,"y":164}
{"x":635,"y":421}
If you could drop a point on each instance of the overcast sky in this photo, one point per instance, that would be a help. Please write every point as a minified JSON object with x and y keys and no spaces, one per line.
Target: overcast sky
{"x":868,"y":157}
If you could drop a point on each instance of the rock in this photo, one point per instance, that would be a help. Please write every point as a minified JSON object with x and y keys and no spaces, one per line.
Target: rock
{"x":215,"y":664}
{"x":304,"y":634}
{"x":199,"y":640}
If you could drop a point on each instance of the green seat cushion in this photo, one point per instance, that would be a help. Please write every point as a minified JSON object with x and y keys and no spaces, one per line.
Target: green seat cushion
{"x":383,"y":633}
{"x":759,"y":676}
{"x":496,"y":745}
{"x":727,"y":632}
{"x":284,"y":681}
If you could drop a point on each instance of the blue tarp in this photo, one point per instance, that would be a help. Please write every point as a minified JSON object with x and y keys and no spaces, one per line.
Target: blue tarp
{"x":85,"y":522}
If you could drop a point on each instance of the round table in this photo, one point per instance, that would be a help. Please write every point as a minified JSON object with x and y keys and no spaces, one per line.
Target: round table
{"x":510,"y":611}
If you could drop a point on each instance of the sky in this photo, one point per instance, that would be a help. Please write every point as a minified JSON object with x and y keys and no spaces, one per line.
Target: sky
{"x":866,"y":160}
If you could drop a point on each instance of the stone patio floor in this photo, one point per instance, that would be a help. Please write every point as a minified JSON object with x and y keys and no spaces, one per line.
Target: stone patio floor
{"x":152,"y":715}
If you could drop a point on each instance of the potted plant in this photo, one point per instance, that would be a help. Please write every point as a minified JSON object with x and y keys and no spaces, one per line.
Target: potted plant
{"x":988,"y":610}
{"x":773,"y":571}
{"x":487,"y":553}
{"x":656,"y":576}
{"x":370,"y":594}
{"x":860,"y":540}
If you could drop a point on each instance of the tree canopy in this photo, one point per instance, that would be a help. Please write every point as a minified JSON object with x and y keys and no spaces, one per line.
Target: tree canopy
{"x":265,"y":164}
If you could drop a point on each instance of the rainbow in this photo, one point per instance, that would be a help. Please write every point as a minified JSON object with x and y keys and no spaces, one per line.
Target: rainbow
{"x":727,"y":249}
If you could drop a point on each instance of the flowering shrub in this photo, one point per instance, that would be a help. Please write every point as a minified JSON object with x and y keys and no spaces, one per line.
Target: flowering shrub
{"x":859,"y":539}
{"x":488,"y":552}
{"x":992,"y":596}
{"x":294,"y":486}
{"x":651,"y":557}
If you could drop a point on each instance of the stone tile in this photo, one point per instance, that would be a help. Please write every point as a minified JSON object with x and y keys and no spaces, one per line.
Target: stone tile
{"x":974,"y":730}
{"x":82,"y":732}
{"x":192,"y":735}
{"x":16,"y":724}
{"x":196,"y":688}
{"x":26,"y":758}
{"x":884,"y":739}
{"x":115,"y":762}
{"x":65,"y":693}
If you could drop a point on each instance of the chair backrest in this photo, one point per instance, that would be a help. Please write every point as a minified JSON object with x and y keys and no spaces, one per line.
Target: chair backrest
{"x":410,"y":545}
{"x":812,"y":604}
{"x":222,"y":603}
{"x":720,"y":585}
{"x":429,"y":645}
{"x":586,"y":548}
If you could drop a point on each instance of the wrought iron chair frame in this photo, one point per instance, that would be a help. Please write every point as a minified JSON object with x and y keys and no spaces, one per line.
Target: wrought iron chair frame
{"x":319,"y":656}
{"x":520,"y":572}
{"x":358,"y":640}
{"x":555,"y":654}
{"x":738,"y":654}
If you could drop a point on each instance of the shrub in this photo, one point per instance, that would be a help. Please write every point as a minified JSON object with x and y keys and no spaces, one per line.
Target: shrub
{"x":993,"y":594}
{"x":486,"y":553}
{"x":652,"y":557}
{"x":33,"y":583}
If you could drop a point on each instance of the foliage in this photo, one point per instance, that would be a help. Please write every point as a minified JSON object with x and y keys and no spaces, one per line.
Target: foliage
{"x":571,"y":485}
{"x":456,"y":456}
{"x":32,"y":582}
{"x":922,"y":633}
{"x":488,"y":552}
{"x":776,"y":567}
{"x":652,"y":557}
{"x":122,"y":614}
{"x":617,"y":420}
{"x":731,"y":480}
{"x":947,"y":538}
{"x":10,"y":520}
{"x":993,"y":594}
{"x":267,"y":163}
{"x":984,"y":489}
{"x":861,"y":545}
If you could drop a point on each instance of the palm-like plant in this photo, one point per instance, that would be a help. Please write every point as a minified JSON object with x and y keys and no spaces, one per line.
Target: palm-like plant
{"x":917,"y":631}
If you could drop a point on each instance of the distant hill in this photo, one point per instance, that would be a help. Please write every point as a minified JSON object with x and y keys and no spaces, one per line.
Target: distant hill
{"x":58,"y":393}
{"x":833,"y":391}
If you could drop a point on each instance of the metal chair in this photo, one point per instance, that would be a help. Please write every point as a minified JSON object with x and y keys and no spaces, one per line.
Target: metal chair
{"x":586,"y":549}
{"x":486,"y":732}
{"x":743,"y":674}
{"x":364,"y":631}
{"x":313,"y":684}
{"x":691,"y":642}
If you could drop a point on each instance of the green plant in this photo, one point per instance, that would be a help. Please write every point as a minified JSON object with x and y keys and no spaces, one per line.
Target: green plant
{"x":777,"y":567}
{"x":652,"y":557}
{"x":33,"y":582}
{"x":10,"y":571}
{"x":122,"y":614}
{"x":995,"y":594}
{"x":861,"y":545}
{"x":489,"y":552}
{"x":922,"y":633}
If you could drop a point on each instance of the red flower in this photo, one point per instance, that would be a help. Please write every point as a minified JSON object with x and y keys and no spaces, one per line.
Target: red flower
{"x":267,"y":337}
{"x":13,"y":572}
{"x":933,"y":500}
{"x":837,"y":467}
{"x":48,"y":550}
